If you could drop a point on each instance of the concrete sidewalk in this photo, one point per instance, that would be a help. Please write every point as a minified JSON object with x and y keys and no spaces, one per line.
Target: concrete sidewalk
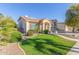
{"x":74,"y":50}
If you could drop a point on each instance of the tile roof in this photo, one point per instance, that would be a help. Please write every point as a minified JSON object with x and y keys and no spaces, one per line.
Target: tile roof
{"x":30,"y":19}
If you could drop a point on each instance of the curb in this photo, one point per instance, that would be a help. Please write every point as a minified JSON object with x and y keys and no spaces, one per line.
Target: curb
{"x":21,"y":49}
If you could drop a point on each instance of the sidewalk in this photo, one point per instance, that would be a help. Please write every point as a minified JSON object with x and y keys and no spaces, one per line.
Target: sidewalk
{"x":75,"y":49}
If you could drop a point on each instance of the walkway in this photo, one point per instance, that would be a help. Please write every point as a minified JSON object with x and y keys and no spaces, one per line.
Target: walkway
{"x":75,"y":49}
{"x":10,"y":49}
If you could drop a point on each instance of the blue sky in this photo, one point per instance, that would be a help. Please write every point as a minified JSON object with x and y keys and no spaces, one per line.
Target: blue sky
{"x":39,"y":10}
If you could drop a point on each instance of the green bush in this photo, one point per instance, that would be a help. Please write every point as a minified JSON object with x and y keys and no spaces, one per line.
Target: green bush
{"x":15,"y":36}
{"x":30,"y":33}
{"x":3,"y":43}
{"x":78,"y":30}
{"x":46,"y":31}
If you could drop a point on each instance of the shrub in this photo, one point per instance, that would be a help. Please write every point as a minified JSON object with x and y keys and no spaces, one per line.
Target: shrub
{"x":46,"y":31}
{"x":78,"y":30}
{"x":30,"y":33}
{"x":15,"y":36}
{"x":3,"y":43}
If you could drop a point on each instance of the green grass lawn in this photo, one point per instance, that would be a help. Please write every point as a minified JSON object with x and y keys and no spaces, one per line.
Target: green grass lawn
{"x":43,"y":44}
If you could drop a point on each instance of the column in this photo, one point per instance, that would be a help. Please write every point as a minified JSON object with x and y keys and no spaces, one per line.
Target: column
{"x":43,"y":26}
{"x":27,"y":26}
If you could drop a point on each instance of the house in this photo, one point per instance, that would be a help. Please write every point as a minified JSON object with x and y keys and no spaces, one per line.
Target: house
{"x":62,"y":27}
{"x":70,"y":29}
{"x":26,"y":23}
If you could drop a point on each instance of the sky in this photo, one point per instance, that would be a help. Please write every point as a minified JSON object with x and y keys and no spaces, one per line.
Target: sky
{"x":35,"y":10}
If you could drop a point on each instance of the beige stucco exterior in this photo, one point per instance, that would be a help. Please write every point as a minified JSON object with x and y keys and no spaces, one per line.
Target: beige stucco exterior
{"x":68,"y":29}
{"x":62,"y":27}
{"x":27,"y":26}
{"x":46,"y":21}
{"x":26,"y":23}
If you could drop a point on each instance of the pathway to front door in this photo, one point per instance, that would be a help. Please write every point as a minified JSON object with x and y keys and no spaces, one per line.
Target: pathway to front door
{"x":10,"y":49}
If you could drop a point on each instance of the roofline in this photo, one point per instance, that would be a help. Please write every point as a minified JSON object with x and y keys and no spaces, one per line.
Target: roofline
{"x":38,"y":19}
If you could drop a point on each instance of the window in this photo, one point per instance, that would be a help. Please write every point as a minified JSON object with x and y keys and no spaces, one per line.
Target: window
{"x":33,"y":26}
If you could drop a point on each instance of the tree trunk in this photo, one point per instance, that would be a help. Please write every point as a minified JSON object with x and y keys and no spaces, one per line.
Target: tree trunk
{"x":73,"y":30}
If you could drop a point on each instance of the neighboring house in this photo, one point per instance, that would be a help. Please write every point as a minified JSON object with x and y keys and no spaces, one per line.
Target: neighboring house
{"x":69,"y":29}
{"x":61,"y":27}
{"x":26,"y":23}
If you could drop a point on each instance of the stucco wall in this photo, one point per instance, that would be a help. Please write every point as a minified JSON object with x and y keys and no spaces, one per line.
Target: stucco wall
{"x":61,"y":26}
{"x":21,"y":25}
{"x":27,"y":26}
{"x":45,"y":20}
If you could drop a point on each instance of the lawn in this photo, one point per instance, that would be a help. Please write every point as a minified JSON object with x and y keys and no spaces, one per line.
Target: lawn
{"x":43,"y":44}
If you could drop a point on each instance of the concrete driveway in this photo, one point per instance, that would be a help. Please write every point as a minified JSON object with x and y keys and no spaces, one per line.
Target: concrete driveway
{"x":72,"y":35}
{"x":69,"y":33}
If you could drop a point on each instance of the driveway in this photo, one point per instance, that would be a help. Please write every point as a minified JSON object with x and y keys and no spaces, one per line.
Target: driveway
{"x":10,"y":49}
{"x":72,"y":35}
{"x":69,"y":33}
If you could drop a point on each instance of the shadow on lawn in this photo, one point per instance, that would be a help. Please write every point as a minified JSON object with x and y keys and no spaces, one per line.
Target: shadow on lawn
{"x":39,"y":44}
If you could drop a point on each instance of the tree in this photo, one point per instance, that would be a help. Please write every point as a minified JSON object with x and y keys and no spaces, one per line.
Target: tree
{"x":1,"y":15}
{"x":8,"y":21}
{"x":72,"y":17}
{"x":8,"y":28}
